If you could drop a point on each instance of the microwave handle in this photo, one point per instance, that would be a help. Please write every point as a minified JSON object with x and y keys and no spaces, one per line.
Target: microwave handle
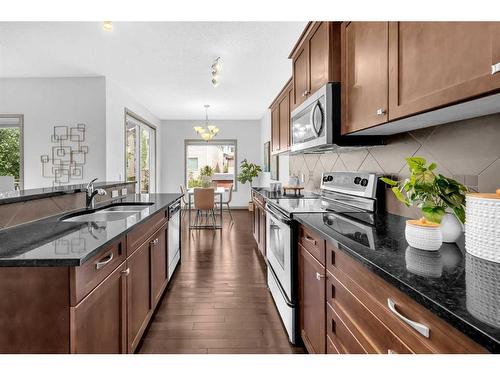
{"x":313,"y":122}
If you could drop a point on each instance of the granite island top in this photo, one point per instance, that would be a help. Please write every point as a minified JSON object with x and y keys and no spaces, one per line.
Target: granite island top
{"x":46,"y":192}
{"x":267,"y":193}
{"x":51,"y":242}
{"x":461,"y":289}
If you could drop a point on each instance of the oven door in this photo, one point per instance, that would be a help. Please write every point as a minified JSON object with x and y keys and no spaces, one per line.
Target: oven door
{"x":279,"y":250}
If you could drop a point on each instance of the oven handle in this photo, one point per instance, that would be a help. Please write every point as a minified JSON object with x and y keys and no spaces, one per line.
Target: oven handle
{"x":285,"y":297}
{"x":277,"y":216}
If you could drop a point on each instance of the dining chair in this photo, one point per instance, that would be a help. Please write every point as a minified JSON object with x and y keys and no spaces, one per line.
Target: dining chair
{"x":185,"y":203}
{"x":226,"y":202}
{"x":204,"y":201}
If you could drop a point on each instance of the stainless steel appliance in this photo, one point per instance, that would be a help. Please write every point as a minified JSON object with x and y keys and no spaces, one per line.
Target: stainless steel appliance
{"x":347,"y":203}
{"x":315,"y":124}
{"x":174,"y":236}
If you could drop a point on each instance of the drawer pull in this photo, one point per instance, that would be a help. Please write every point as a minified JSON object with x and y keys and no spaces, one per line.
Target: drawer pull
{"x":155,"y":242}
{"x":419,"y":327}
{"x":380,"y":111}
{"x":104,"y":261}
{"x":310,"y":239}
{"x":390,"y":351}
{"x":495,"y":68}
{"x":319,"y":276}
{"x":126,"y":272}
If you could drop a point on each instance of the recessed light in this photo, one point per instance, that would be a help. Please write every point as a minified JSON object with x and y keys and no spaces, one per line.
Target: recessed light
{"x":107,"y":26}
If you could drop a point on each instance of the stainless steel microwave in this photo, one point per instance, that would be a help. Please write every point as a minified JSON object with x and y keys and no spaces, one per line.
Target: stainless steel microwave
{"x":315,"y":124}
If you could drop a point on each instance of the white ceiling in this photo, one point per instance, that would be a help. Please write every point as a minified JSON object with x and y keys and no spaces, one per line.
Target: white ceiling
{"x":163,"y":65}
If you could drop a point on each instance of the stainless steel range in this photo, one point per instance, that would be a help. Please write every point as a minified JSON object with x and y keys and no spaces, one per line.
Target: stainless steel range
{"x":348,"y":201}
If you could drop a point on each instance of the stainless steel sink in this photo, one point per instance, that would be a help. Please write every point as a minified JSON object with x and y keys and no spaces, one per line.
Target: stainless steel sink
{"x":115,"y":212}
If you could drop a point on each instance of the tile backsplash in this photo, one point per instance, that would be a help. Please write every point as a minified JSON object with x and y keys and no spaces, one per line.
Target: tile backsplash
{"x":468,"y":151}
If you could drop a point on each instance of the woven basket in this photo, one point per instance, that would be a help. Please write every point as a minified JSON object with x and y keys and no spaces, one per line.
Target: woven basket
{"x":482,"y":288}
{"x":482,"y":226}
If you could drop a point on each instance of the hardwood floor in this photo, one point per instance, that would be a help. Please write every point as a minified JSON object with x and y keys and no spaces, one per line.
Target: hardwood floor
{"x":218,"y":300}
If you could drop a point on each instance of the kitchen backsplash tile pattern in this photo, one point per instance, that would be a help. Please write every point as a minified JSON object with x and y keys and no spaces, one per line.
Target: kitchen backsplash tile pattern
{"x":468,"y":150}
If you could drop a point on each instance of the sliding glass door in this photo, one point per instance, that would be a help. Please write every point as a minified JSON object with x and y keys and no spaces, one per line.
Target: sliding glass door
{"x":140,"y":153}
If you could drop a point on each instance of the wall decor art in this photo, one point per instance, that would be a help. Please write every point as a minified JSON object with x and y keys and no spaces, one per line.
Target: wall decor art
{"x":68,"y":155}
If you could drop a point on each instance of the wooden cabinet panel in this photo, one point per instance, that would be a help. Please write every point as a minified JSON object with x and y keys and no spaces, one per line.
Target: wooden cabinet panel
{"x":284,"y":109}
{"x":145,"y":230}
{"x":301,"y":76}
{"x":275,"y":128}
{"x":98,"y":322}
{"x":340,"y":335}
{"x":159,"y":264}
{"x":434,"y":64}
{"x":313,"y":243}
{"x":364,"y":75}
{"x":318,"y":57}
{"x":312,"y":302}
{"x":263,"y":231}
{"x":138,"y":294}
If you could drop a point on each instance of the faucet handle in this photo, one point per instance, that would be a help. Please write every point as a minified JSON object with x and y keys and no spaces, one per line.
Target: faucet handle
{"x":101,"y":192}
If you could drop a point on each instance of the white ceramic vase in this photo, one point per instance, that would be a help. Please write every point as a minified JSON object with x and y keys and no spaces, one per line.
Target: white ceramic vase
{"x":451,"y":228}
{"x":424,"y":237}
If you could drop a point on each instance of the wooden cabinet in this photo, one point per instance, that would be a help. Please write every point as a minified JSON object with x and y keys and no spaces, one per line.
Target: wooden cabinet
{"x":139,"y":302}
{"x":259,"y":223}
{"x":98,"y":322}
{"x":315,"y":59}
{"x":312,"y":302}
{"x":364,"y":75}
{"x":434,"y":64}
{"x":159,"y":263}
{"x":263,"y":231}
{"x":280,"y":120}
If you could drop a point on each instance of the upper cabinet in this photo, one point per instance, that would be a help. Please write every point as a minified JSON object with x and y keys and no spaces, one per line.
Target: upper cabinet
{"x":433,"y":64}
{"x":399,"y":69}
{"x":280,"y":119}
{"x":315,"y":59}
{"x":364,"y":72}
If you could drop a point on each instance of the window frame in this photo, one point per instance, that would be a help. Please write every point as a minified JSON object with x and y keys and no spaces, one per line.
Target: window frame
{"x":215,"y":142}
{"x":20,"y":118}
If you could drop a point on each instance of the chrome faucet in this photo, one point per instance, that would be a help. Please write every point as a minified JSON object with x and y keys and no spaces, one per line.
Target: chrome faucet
{"x":90,"y":193}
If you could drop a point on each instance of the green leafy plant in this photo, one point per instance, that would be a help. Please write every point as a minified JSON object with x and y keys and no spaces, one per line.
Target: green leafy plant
{"x":432,"y":193}
{"x":248,"y":172}
{"x":206,"y":171}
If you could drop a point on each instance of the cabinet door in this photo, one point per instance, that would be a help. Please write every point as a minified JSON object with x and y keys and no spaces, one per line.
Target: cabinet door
{"x":284,"y":108}
{"x":275,"y":128}
{"x":139,"y":294}
{"x":98,"y":322}
{"x":263,"y":231}
{"x":159,"y":264}
{"x":365,"y":75}
{"x":434,"y":64}
{"x":255,"y":217}
{"x":301,"y":76}
{"x":312,"y":302}
{"x":318,"y":57}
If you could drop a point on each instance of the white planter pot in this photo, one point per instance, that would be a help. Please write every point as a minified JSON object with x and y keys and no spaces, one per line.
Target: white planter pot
{"x":423,"y":237}
{"x":451,"y":228}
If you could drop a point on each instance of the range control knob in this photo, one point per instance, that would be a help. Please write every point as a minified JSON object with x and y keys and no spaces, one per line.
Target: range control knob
{"x":357,"y":180}
{"x":325,"y":178}
{"x":330,"y":178}
{"x":364,"y":182}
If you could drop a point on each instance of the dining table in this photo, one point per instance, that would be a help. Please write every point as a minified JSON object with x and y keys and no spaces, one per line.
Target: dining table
{"x":218,"y":192}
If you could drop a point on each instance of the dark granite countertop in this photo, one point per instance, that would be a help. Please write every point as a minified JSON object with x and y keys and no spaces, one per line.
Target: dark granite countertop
{"x":461,"y":289}
{"x":267,"y":193}
{"x":51,"y":242}
{"x":30,"y":194}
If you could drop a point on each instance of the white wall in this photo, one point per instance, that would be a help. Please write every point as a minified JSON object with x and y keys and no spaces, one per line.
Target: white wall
{"x":46,"y":102}
{"x":116,"y":102}
{"x":283,"y":159}
{"x":171,"y":150}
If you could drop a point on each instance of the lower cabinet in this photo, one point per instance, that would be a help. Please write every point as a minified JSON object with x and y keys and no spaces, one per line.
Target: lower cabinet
{"x":312,"y":302}
{"x":98,"y":323}
{"x":159,"y":264}
{"x":259,"y":225}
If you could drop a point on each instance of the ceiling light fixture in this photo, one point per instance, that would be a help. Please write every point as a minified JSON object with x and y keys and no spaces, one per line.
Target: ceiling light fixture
{"x":107,"y":26}
{"x":216,"y":68}
{"x":209,"y":131}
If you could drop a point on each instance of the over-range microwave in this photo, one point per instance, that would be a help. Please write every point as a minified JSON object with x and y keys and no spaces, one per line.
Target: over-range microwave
{"x":315,"y":124}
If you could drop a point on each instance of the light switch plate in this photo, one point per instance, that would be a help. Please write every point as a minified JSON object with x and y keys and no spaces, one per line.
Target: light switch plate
{"x":114,"y":193}
{"x":124,"y":191}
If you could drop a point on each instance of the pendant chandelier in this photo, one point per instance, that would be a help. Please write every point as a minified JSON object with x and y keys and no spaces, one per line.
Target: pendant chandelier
{"x":208,"y":131}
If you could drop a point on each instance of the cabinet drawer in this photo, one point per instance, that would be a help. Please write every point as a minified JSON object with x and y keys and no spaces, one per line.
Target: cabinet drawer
{"x":340,"y":335}
{"x":87,"y":276}
{"x":145,"y":230}
{"x":375,"y":294}
{"x":331,"y":348}
{"x":369,"y":330}
{"x":313,"y":242}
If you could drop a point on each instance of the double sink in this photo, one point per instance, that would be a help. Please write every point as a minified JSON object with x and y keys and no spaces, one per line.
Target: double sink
{"x":108,"y":213}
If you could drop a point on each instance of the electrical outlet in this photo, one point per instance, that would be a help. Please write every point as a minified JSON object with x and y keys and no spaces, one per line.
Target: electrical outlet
{"x":124,"y":191}
{"x":114,"y":193}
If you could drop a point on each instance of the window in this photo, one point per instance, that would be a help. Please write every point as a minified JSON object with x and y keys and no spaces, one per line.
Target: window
{"x":140,"y":152}
{"x":11,"y":152}
{"x":220,"y":158}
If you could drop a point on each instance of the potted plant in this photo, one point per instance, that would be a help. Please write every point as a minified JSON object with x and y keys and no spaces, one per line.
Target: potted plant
{"x":441,"y":199}
{"x":206,"y":174}
{"x":248,"y":172}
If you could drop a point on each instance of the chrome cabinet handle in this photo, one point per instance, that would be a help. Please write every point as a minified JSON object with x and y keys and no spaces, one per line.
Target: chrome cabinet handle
{"x":495,"y":68}
{"x":319,"y":276}
{"x":380,"y":111}
{"x":390,"y":351}
{"x":419,"y":327}
{"x":310,"y":239}
{"x":126,"y":272}
{"x":101,"y":263}
{"x":155,"y":242}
